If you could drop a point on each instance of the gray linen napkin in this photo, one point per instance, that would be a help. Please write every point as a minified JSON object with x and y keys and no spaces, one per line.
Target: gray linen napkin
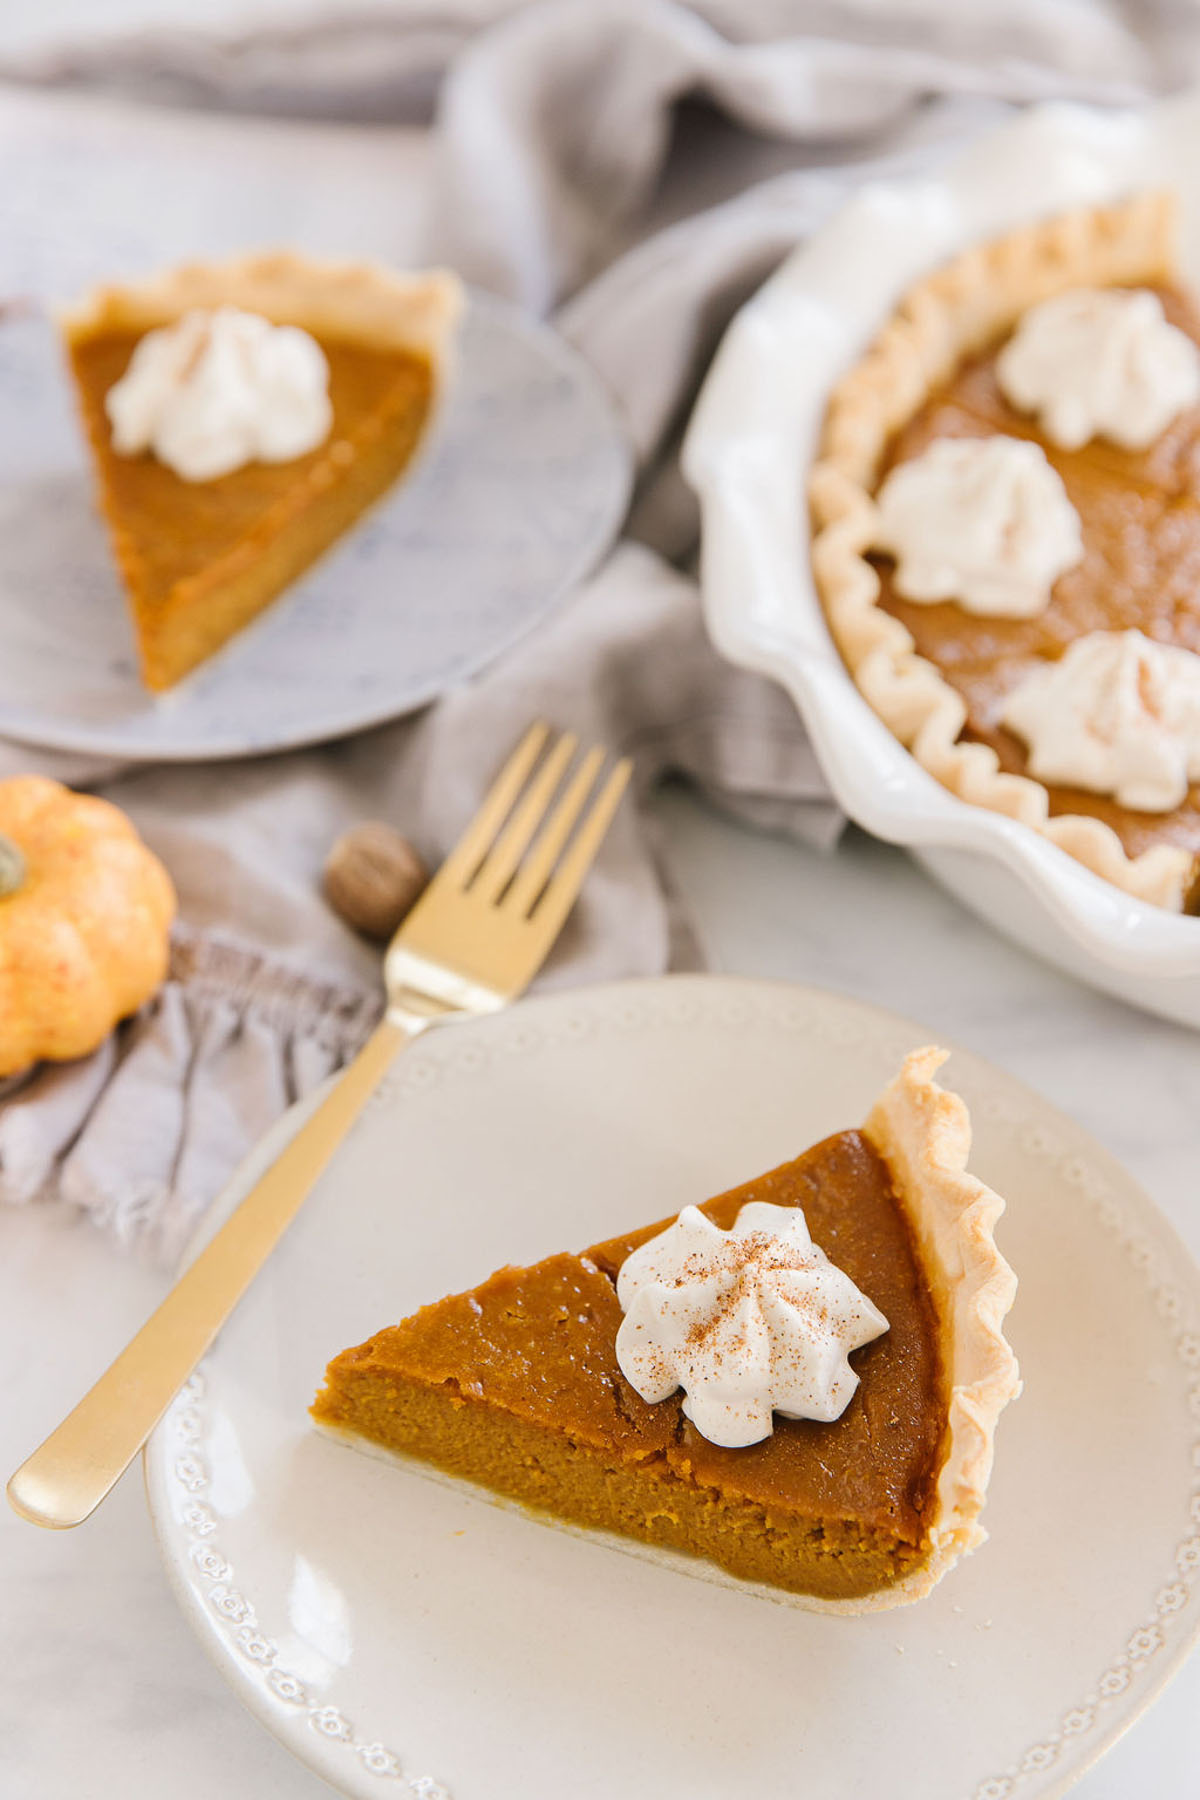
{"x":144,"y":1133}
{"x":553,"y":133}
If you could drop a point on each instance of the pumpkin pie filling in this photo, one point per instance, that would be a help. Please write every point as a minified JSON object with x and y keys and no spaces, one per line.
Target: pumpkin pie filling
{"x":515,"y":1385}
{"x":1140,"y":517}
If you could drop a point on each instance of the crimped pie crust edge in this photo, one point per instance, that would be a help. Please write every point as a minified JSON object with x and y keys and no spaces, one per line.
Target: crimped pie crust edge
{"x":923,"y":1133}
{"x":358,"y":301}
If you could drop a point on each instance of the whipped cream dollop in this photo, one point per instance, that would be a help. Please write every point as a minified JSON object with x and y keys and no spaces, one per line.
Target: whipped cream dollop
{"x":1118,"y":714}
{"x":748,"y":1322}
{"x":1100,"y":362}
{"x":983,"y":521}
{"x":221,"y":389}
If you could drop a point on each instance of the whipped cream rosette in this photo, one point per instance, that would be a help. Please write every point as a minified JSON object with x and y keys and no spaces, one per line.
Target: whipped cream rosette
{"x":1117,"y":714}
{"x":749,"y":1322}
{"x":985,"y":522}
{"x":221,"y":389}
{"x":1098,"y":362}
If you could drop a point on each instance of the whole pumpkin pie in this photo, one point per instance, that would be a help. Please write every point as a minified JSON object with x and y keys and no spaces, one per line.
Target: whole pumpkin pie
{"x":944,"y":676}
{"x":202,"y":554}
{"x":521,"y":1387}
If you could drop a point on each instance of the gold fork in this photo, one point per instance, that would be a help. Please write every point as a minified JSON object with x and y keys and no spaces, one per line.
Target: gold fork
{"x":472,"y":943}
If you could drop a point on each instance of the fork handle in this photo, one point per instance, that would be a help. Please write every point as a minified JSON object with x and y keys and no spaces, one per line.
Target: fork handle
{"x":64,"y":1480}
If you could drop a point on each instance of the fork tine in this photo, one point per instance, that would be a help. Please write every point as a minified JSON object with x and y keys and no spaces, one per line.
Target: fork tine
{"x":497,"y":868}
{"x":559,"y":896}
{"x":534,"y":872}
{"x":477,"y":839}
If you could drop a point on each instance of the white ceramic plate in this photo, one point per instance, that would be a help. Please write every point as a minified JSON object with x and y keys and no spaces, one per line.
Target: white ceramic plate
{"x":387,"y":1627}
{"x":748,"y":449}
{"x":519,"y":494}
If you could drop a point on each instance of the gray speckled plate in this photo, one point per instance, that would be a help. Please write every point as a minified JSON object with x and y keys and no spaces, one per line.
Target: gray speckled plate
{"x":520,"y":493}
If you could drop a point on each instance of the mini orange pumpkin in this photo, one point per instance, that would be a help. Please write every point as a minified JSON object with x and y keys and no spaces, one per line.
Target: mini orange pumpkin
{"x":85,"y":912}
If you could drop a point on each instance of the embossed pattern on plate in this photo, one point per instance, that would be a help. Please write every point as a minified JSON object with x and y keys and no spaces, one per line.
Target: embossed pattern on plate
{"x":518,"y":495}
{"x":389,"y":1629}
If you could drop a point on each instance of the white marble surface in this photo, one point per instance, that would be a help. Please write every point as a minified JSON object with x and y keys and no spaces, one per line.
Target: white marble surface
{"x":107,"y":1695}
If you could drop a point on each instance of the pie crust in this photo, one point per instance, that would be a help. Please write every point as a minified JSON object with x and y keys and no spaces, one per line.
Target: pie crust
{"x":446,"y":1406}
{"x":923,"y":1133}
{"x":952,"y":314}
{"x":356,"y":300}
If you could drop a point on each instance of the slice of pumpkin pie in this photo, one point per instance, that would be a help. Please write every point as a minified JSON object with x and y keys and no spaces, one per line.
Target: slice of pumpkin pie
{"x":242,"y":416}
{"x":799,"y":1380}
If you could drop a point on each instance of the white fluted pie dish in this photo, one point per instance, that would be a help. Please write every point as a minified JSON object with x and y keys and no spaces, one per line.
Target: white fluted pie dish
{"x":748,"y":452}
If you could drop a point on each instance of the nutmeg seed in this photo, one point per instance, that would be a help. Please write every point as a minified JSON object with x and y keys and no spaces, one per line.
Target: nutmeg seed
{"x":372,"y":877}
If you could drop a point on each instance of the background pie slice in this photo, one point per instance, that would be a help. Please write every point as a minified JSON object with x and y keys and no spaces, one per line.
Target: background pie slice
{"x":200,"y":559}
{"x":515,"y":1385}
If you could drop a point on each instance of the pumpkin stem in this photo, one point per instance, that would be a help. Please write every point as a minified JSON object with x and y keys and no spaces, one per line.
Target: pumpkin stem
{"x":12,"y":866}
